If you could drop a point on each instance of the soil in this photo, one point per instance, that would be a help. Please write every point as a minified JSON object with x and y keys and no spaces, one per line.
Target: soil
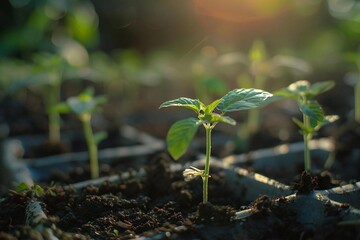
{"x":160,"y":206}
{"x":78,"y":144}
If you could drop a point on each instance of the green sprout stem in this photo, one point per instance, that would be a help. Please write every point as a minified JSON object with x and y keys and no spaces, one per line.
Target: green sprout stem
{"x":92,"y":147}
{"x":307,"y":137}
{"x":357,"y":101}
{"x":205,"y":178}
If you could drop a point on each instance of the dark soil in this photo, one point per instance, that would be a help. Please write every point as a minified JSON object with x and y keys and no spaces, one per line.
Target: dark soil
{"x":77,"y":144}
{"x":159,"y":206}
{"x":160,"y":202}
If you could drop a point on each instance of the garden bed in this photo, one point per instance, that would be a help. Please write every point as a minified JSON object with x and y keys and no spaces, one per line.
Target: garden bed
{"x":19,"y":169}
{"x":156,"y":203}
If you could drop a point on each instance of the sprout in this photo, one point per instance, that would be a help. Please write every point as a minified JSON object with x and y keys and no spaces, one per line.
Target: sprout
{"x":182,"y":132}
{"x":313,"y":115}
{"x":84,"y":105}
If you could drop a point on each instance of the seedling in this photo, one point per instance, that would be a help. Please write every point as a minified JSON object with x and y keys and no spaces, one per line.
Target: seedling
{"x":260,"y":67}
{"x":45,"y":78}
{"x":35,"y":190}
{"x":182,"y":132}
{"x":313,"y":114}
{"x":84,"y":105}
{"x":355,"y":58}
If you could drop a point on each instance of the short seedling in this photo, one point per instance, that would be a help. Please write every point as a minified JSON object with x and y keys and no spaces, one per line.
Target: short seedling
{"x":313,"y":114}
{"x":182,"y":132}
{"x":35,"y":190}
{"x":84,"y":105}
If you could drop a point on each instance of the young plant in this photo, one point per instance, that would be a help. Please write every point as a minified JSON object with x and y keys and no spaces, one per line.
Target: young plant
{"x":182,"y":132}
{"x":84,"y":105}
{"x":260,"y":67}
{"x":45,"y":77}
{"x":354,"y":57}
{"x":313,"y":114}
{"x":35,"y":190}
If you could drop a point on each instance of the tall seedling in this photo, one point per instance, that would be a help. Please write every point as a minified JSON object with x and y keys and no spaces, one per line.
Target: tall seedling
{"x":45,"y":78}
{"x":84,"y":105}
{"x":182,"y":132}
{"x":313,"y":114}
{"x":260,"y":68}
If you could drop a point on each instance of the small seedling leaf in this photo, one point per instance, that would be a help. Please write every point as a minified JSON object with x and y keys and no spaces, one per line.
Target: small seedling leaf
{"x":193,"y":104}
{"x":22,"y":187}
{"x":242,"y":99}
{"x":39,"y":191}
{"x":299,"y":87}
{"x":285,"y":93}
{"x":314,"y":111}
{"x":81,"y":105}
{"x":180,"y":135}
{"x":225,"y":119}
{"x":320,"y":87}
{"x":211,"y":107}
{"x":100,"y":136}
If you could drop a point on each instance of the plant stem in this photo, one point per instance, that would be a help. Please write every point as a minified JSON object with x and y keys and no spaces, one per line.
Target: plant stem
{"x":53,"y":98}
{"x":207,"y":164}
{"x":92,"y":147}
{"x":357,"y":101}
{"x":307,"y":136}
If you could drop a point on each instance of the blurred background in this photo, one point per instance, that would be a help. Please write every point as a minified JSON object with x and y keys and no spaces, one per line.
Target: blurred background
{"x":140,"y":53}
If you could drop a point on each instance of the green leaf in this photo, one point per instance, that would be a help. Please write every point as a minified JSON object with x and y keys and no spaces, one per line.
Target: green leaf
{"x":99,"y":136}
{"x":320,"y":87}
{"x":193,"y":104}
{"x":299,"y":87}
{"x":225,"y":119}
{"x":285,"y":93}
{"x":211,"y":107}
{"x":61,"y":108}
{"x":180,"y":135}
{"x":314,"y":111}
{"x":22,"y":187}
{"x":39,"y":191}
{"x":82,"y":105}
{"x":241,"y":99}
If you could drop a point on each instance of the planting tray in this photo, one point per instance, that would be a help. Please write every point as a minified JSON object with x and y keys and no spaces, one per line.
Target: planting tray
{"x":285,"y":161}
{"x":18,"y":169}
{"x":310,"y":213}
{"x":265,"y":207}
